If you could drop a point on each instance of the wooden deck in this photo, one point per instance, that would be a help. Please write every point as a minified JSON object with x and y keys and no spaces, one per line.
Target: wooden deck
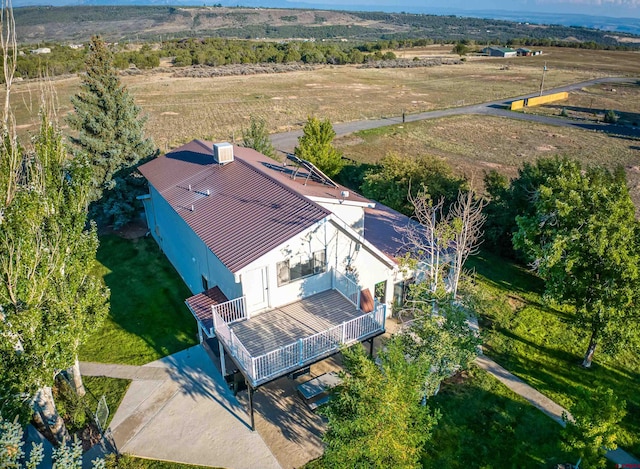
{"x":282,"y":326}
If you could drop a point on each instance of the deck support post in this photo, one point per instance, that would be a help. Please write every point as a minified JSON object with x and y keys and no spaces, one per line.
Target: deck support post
{"x":223,"y":367}
{"x":253,"y":426}
{"x":371,"y":347}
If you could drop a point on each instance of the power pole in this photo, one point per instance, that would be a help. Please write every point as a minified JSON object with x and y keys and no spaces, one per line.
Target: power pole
{"x":544,"y":70}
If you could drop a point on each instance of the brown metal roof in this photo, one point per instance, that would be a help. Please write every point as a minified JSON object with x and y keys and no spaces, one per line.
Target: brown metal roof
{"x":383,"y":228}
{"x":200,"y":305}
{"x":240,"y":212}
{"x":302,"y":184}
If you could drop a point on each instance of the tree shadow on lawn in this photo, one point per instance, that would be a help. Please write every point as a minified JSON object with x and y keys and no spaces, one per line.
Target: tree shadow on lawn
{"x":562,"y":372}
{"x":147,"y":303}
{"x":504,"y":274}
{"x":484,"y":423}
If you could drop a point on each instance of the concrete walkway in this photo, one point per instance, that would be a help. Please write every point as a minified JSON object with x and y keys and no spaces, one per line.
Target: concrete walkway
{"x":546,"y":405}
{"x":180,"y":409}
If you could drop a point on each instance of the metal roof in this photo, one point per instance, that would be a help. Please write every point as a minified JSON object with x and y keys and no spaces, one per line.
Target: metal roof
{"x":384,"y":228}
{"x":298,"y":178}
{"x":200,"y":305}
{"x":239,"y":211}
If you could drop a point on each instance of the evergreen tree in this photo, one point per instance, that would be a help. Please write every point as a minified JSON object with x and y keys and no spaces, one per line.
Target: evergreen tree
{"x":111,"y":132}
{"x":315,"y":145}
{"x":257,"y":137}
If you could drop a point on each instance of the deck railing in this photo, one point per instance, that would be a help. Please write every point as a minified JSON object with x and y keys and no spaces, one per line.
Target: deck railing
{"x":303,"y":351}
{"x":347,"y":287}
{"x":229,"y":338}
{"x":231,"y":311}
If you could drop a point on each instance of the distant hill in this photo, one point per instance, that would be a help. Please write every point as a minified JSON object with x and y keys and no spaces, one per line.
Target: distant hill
{"x":134,"y":22}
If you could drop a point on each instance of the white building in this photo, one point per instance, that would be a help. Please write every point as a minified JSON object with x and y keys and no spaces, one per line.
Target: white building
{"x":285,"y":265}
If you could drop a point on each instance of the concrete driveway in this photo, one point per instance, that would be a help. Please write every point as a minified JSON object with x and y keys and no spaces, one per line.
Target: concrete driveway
{"x":179,"y":409}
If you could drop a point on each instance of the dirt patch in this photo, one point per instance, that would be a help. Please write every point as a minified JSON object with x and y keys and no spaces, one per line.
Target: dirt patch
{"x":545,"y":148}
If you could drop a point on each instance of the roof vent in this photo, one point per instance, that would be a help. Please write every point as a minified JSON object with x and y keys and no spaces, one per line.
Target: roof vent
{"x":344,"y":194}
{"x":223,"y":153}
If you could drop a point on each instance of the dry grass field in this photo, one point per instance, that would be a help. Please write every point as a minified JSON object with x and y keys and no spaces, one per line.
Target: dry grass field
{"x":592,"y":103}
{"x":475,"y":144}
{"x":181,"y":109}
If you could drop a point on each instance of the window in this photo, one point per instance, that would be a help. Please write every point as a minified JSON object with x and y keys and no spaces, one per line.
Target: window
{"x":381,"y":291}
{"x":301,"y":266}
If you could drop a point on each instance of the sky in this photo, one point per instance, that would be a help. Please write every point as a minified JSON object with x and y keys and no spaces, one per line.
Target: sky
{"x":619,"y":8}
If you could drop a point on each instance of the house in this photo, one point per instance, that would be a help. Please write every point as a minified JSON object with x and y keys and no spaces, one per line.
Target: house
{"x":41,"y":50}
{"x":284,"y":265}
{"x":524,"y":52}
{"x":499,"y":51}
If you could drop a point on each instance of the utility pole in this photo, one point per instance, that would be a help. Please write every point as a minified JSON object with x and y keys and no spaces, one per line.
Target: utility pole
{"x":544,"y":70}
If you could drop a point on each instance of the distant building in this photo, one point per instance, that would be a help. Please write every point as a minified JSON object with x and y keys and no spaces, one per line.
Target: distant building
{"x":499,"y":52}
{"x":41,"y":50}
{"x":524,"y":52}
{"x":76,"y":46}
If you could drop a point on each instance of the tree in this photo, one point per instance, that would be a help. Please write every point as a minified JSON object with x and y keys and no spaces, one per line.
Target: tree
{"x":50,"y":302}
{"x":375,"y":418}
{"x":507,"y":200}
{"x":593,"y":427}
{"x":12,"y":454}
{"x":396,"y":176}
{"x":111,"y":132}
{"x":582,"y":240}
{"x":460,"y":48}
{"x":257,"y":137}
{"x":315,"y":145}
{"x":442,"y":340}
{"x":440,"y":244}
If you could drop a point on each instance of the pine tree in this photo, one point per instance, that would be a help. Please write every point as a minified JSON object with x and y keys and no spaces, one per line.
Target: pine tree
{"x":110,"y":131}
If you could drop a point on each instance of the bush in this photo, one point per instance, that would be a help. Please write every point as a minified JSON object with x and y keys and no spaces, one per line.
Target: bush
{"x":611,"y":117}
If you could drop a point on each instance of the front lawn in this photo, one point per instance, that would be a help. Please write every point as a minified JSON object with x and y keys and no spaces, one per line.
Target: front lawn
{"x":148,"y":318}
{"x":485,"y":424}
{"x":540,"y":343}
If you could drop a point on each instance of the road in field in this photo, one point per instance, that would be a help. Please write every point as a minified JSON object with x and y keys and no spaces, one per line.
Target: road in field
{"x":286,"y":141}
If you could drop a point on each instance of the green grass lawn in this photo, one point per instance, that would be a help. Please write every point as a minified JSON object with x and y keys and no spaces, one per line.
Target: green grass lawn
{"x":485,"y":424}
{"x":541,"y":344}
{"x":131,"y":462}
{"x":148,"y":318}
{"x":112,"y":388}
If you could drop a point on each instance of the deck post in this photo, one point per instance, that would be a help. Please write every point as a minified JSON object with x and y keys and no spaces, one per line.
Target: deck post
{"x":371,"y":347}
{"x":223,"y":367}
{"x":253,"y":426}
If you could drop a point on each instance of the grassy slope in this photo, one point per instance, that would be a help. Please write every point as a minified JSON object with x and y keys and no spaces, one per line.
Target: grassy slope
{"x":539,"y":343}
{"x":148,"y":318}
{"x":484,"y":424}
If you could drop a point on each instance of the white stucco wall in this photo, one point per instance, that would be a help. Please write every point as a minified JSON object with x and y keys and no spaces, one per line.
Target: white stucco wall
{"x":185,"y":250}
{"x":350,"y":214}
{"x":341,"y":250}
